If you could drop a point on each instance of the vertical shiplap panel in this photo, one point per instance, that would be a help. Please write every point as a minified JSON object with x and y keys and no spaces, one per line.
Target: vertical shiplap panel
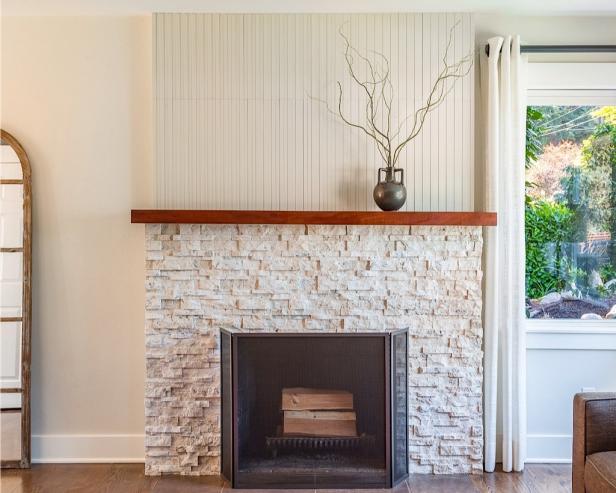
{"x":366,"y":148}
{"x":336,"y":173}
{"x":217,"y":166}
{"x":239,"y":122}
{"x":259,"y":113}
{"x":267,"y":136}
{"x":402,"y":105}
{"x":306,"y":87}
{"x":425,"y":142}
{"x":157,"y":87}
{"x":448,"y":155}
{"x":232,"y":136}
{"x":444,"y":179}
{"x":456,"y":122}
{"x":290,"y":118}
{"x":469,"y":105}
{"x":417,"y":100}
{"x":246,"y":112}
{"x":191,"y":48}
{"x":465,"y":146}
{"x":315,"y":121}
{"x":432,"y":122}
{"x":182,"y":77}
{"x":283,"y":72}
{"x":171,"y":127}
{"x":209,"y":110}
{"x":198,"y":107}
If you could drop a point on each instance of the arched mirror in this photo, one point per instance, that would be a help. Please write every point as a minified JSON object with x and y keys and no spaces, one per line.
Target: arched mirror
{"x":15,"y":301}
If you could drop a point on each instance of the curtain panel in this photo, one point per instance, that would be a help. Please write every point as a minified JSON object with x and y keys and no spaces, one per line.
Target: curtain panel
{"x":503,"y":96}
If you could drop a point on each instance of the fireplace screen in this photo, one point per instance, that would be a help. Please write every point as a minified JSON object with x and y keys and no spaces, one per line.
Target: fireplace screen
{"x":314,"y":410}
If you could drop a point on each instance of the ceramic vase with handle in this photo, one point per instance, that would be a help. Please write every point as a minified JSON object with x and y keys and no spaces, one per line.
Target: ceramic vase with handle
{"x":390,"y":193}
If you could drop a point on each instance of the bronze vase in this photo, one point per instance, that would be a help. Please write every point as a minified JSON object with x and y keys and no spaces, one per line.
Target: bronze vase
{"x":389,"y":193}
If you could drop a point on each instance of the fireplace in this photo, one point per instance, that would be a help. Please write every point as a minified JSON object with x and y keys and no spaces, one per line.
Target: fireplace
{"x":314,"y":410}
{"x":275,"y":278}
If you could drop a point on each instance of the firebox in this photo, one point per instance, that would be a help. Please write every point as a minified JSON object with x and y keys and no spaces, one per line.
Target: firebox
{"x":314,"y":410}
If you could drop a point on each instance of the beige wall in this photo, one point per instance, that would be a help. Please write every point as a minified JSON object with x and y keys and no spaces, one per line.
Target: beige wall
{"x":77,"y":93}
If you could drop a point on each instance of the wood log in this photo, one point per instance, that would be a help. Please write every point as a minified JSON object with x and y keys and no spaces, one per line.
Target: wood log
{"x":304,"y":399}
{"x":320,"y":423}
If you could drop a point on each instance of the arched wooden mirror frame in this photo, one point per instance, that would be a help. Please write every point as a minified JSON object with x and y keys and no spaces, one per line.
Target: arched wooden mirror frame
{"x":26,"y":308}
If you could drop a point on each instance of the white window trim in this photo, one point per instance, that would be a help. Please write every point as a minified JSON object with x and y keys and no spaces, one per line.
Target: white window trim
{"x":570,"y":326}
{"x":571,"y":84}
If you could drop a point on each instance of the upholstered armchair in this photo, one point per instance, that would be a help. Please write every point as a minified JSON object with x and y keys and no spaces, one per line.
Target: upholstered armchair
{"x":594,"y":442}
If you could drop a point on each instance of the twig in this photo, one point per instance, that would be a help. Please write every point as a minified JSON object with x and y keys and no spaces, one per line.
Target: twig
{"x":379,"y":93}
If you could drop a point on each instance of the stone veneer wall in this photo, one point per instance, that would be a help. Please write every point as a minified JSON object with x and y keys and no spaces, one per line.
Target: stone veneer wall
{"x":201,"y":278}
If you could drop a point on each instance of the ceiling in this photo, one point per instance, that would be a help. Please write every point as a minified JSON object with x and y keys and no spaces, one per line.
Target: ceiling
{"x":136,"y":7}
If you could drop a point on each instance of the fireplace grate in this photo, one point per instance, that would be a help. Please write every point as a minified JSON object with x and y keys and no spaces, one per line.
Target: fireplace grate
{"x":277,"y":443}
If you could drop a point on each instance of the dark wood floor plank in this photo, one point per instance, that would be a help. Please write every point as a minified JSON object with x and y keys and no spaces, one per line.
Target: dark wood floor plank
{"x":188,"y":484}
{"x":130,"y":478}
{"x":548,"y":478}
{"x":399,"y":488}
{"x":59,"y":477}
{"x":455,"y":483}
{"x":257,"y":490}
{"x":505,"y":482}
{"x":10,"y":484}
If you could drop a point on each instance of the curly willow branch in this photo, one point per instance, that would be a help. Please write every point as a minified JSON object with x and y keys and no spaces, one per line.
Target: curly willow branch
{"x":379,"y":93}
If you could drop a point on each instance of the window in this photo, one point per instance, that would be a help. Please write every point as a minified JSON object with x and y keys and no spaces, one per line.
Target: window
{"x":571,"y":211}
{"x":570,"y":208}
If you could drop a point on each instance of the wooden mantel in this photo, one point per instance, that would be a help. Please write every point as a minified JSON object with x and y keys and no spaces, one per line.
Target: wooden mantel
{"x":184,"y":216}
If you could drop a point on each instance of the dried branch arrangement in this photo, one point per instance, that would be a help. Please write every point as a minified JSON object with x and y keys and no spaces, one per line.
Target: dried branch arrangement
{"x":379,"y":94}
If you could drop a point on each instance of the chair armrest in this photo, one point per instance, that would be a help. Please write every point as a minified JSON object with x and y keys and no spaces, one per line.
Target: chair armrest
{"x":594,"y":430}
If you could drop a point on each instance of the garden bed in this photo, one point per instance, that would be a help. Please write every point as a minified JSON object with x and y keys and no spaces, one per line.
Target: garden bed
{"x":569,"y":308}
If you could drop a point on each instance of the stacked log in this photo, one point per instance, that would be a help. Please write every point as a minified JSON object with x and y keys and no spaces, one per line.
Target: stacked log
{"x":318,"y":412}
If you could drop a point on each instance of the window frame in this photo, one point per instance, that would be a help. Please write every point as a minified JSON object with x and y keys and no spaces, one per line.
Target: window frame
{"x":570,"y":84}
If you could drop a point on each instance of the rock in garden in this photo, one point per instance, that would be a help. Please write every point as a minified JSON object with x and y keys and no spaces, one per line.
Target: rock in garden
{"x":611,"y":313}
{"x":591,"y":316}
{"x":594,"y":279}
{"x":550,"y":298}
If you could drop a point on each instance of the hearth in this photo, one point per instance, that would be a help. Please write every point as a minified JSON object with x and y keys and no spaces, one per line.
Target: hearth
{"x":314,"y":410}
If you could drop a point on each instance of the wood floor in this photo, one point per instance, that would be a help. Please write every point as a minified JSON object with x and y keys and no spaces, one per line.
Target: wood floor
{"x":129,"y":478}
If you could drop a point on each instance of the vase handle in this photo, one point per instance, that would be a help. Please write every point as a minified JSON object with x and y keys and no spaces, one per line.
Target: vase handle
{"x":401,"y":170}
{"x":379,"y":179}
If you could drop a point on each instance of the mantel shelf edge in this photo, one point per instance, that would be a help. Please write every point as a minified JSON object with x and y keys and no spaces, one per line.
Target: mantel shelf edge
{"x":191,"y":216}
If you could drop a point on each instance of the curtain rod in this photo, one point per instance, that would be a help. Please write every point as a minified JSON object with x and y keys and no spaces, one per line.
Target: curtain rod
{"x":563,"y":49}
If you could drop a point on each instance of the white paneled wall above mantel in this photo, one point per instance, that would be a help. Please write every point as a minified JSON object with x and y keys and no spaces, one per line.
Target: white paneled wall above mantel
{"x":239,"y":123}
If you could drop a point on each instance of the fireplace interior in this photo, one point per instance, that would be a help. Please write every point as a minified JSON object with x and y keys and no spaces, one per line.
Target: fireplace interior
{"x":343,"y":422}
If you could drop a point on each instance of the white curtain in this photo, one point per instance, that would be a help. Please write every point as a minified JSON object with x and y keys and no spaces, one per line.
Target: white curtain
{"x":504,"y":103}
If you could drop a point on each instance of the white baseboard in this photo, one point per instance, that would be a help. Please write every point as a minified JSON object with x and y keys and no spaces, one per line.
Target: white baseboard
{"x":548,"y":449}
{"x":87,"y":448}
{"x":547,"y":461}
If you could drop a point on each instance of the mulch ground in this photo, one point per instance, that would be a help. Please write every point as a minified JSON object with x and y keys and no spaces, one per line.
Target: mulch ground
{"x":569,"y":309}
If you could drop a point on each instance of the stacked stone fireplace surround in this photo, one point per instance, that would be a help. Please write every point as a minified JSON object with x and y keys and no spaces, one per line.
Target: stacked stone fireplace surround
{"x":278,"y":278}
